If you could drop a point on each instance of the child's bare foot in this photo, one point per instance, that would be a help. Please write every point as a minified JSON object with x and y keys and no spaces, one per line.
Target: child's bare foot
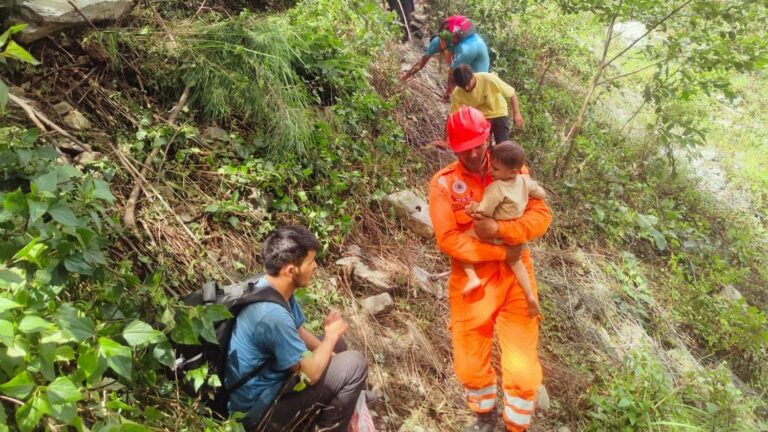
{"x":533,"y":308}
{"x":472,"y":284}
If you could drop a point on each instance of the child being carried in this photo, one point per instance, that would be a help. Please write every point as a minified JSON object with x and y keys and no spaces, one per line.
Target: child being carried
{"x":506,"y":199}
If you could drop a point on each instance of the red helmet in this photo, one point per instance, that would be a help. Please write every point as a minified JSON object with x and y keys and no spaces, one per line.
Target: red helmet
{"x":467,"y":128}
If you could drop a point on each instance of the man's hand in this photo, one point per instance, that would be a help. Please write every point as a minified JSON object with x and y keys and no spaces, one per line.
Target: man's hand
{"x":447,"y":97}
{"x":332,"y":316}
{"x":518,"y":119}
{"x":336,"y":329}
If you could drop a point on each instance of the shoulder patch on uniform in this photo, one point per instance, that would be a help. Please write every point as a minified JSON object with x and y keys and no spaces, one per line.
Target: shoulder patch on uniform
{"x":459,"y":187}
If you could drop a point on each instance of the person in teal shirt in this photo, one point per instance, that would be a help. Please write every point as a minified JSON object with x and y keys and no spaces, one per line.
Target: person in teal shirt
{"x":457,"y":47}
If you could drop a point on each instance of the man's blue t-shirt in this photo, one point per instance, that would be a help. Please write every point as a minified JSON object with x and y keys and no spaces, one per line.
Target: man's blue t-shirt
{"x":264,"y":332}
{"x":471,"y":51}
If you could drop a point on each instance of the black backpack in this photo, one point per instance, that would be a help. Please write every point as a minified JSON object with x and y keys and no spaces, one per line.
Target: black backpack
{"x":188,"y":357}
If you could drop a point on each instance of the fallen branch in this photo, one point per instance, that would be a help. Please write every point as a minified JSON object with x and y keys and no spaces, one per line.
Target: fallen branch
{"x":39,"y":118}
{"x":129,"y":217}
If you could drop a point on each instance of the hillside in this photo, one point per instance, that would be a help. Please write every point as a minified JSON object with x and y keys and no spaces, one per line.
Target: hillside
{"x":143,"y":157}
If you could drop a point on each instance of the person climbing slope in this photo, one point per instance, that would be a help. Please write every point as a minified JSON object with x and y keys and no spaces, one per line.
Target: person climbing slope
{"x":459,"y":44}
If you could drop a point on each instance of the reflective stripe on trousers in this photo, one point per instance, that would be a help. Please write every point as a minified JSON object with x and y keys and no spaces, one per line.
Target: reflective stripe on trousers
{"x":517,"y":412}
{"x":482,"y":400}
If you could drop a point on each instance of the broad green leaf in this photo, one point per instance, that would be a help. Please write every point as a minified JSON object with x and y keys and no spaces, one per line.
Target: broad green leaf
{"x":6,"y":304}
{"x":29,"y":415}
{"x":140,"y":333}
{"x":659,"y":239}
{"x":44,"y":361}
{"x":46,"y":182}
{"x":77,"y":264}
{"x":11,"y":276}
{"x":183,"y":332}
{"x":64,"y":353}
{"x":19,"y":386}
{"x":3,"y":96}
{"x":34,"y":324}
{"x":208,"y":332}
{"x":163,"y":353}
{"x":36,"y":210}
{"x":62,"y":214}
{"x":80,"y":328}
{"x":92,"y":365}
{"x":63,"y":390}
{"x":31,"y":252}
{"x":110,"y":348}
{"x":101,"y":191}
{"x":15,"y":51}
{"x":118,"y":356}
{"x":121,"y":365}
{"x":65,"y":412}
{"x":6,"y":332}
{"x":11,"y":30}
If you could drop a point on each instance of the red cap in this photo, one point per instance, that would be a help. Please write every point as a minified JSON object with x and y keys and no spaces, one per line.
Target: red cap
{"x":467,"y":128}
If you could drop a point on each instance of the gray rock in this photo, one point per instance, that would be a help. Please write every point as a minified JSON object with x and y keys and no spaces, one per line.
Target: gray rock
{"x":49,"y":16}
{"x":542,"y":399}
{"x":77,"y":121}
{"x":365,"y":275}
{"x":216,"y":133}
{"x":62,"y":108}
{"x":730,"y":293}
{"x":413,"y":210}
{"x":423,"y":280}
{"x":378,"y":304}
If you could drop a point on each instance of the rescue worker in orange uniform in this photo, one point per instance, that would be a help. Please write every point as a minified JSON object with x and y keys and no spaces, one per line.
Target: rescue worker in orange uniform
{"x":500,"y":303}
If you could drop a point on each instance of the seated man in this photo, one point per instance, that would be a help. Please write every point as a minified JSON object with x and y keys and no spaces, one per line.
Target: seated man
{"x":266,"y":333}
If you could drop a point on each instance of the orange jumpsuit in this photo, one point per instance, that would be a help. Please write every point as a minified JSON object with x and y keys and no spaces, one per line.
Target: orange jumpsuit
{"x":499,"y":304}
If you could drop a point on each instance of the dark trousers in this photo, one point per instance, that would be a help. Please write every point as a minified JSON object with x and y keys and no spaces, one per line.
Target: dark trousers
{"x":500,"y":129}
{"x":329,"y":403}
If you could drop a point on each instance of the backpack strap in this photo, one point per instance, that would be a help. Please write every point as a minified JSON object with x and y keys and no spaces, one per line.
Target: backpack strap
{"x":254,"y":295}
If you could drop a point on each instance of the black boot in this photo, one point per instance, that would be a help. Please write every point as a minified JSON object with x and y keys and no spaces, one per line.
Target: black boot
{"x":486,"y":422}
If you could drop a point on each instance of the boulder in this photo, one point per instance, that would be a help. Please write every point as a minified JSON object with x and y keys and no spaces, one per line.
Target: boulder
{"x":423,"y":279}
{"x":730,"y":293}
{"x":378,"y":304}
{"x":49,"y":16}
{"x":77,"y":121}
{"x":413,"y":210}
{"x":542,"y":398}
{"x":216,"y":134}
{"x":365,"y":275}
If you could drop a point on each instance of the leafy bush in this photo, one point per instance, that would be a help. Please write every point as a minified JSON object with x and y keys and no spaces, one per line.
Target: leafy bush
{"x":75,"y":338}
{"x":643,"y":396}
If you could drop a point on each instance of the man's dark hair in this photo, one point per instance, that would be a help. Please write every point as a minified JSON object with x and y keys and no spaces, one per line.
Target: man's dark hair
{"x":509,"y":153}
{"x":462,"y":75}
{"x":288,"y":244}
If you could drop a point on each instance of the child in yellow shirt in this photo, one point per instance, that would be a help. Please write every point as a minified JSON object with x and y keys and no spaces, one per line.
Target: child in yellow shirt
{"x":506,"y":199}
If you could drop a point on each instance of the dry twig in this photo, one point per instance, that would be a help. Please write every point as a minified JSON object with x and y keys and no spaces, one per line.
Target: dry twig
{"x":129,"y":217}
{"x":39,"y":118}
